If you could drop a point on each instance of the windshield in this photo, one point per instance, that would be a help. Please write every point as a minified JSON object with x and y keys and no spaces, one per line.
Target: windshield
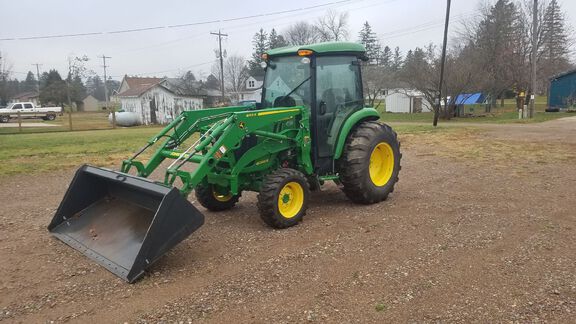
{"x":287,"y":82}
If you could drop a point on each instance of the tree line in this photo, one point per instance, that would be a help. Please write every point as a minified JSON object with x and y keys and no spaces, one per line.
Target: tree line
{"x":54,"y":89}
{"x":490,"y":54}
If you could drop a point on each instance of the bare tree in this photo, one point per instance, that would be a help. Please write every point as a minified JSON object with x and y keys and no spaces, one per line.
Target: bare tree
{"x":235,"y":74}
{"x":333,"y":26}
{"x":301,"y":33}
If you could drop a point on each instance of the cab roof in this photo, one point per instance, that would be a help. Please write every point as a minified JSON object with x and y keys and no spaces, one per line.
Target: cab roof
{"x":321,"y":48}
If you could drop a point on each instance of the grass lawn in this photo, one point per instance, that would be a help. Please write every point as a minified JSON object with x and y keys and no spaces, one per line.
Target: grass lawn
{"x":80,"y":121}
{"x":499,"y":115}
{"x":36,"y":153}
{"x":31,"y":153}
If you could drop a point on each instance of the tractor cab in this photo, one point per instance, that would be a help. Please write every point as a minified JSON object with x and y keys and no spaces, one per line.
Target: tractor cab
{"x":323,"y":77}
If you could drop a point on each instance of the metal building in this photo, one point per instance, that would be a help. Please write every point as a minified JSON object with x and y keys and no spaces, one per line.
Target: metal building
{"x":562,"y":93}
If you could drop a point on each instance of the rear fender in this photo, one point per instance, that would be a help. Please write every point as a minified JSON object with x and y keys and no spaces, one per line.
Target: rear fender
{"x":357,"y":117}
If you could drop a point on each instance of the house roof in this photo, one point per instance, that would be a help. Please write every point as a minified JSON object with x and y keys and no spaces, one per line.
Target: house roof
{"x":138,"y":86}
{"x":258,"y":77}
{"x":137,"y":91}
{"x":138,"y":81}
{"x":27,"y":94}
{"x":320,"y":48}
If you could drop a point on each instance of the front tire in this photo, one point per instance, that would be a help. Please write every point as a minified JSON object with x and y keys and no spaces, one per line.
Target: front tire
{"x":370,"y":164}
{"x":283,"y":198}
{"x":4,"y":119}
{"x":212,"y":200}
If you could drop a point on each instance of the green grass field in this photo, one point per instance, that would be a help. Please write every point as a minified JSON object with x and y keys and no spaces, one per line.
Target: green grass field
{"x":33,"y":153}
{"x":37,"y":153}
{"x":80,"y":121}
{"x":62,"y":149}
{"x":499,"y":115}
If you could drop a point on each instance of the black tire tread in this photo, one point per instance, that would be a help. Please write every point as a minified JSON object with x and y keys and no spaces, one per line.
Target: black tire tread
{"x":352,"y":164}
{"x":205,"y":197}
{"x":268,"y":197}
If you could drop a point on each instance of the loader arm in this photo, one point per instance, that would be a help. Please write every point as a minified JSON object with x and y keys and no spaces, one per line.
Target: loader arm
{"x":221,"y":132}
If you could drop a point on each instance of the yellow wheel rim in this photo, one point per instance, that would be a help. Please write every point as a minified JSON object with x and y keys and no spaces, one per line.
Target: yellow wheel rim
{"x":291,"y":199}
{"x":381,"y":164}
{"x":220,"y":197}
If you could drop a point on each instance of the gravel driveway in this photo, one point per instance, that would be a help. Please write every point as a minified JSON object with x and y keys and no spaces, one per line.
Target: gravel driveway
{"x":462,"y":239}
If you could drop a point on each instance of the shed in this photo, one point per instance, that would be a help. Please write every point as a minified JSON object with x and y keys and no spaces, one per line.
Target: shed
{"x":406,"y":101}
{"x":562,"y":93}
{"x":90,"y":103}
{"x":467,"y":102}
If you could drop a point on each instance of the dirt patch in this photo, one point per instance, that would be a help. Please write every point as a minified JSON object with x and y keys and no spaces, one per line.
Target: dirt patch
{"x":463,"y":238}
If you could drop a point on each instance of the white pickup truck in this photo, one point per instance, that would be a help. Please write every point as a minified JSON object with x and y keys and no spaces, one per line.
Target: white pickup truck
{"x":28,"y":110}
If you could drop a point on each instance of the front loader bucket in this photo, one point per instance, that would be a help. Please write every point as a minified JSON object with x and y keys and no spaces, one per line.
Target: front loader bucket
{"x":124,"y":223}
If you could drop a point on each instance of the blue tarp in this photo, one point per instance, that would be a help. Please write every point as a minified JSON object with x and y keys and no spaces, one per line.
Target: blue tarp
{"x":470,"y":98}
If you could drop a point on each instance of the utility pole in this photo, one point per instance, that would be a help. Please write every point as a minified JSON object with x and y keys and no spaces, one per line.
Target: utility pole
{"x":104,"y":57}
{"x":442,"y":63}
{"x":534,"y":58}
{"x":219,"y":34}
{"x":38,"y":77}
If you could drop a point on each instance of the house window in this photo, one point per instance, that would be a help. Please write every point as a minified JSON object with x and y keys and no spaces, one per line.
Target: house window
{"x":250,"y":84}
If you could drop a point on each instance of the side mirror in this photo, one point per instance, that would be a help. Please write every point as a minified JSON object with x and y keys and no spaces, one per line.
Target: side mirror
{"x":322,"y":108}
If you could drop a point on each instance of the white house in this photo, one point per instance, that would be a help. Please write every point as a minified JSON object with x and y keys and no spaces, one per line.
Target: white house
{"x":406,"y":101}
{"x":252,"y":88}
{"x":153,"y":100}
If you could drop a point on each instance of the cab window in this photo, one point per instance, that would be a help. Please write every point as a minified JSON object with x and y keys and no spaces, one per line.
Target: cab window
{"x":339,"y":94}
{"x":28,"y":106}
{"x":17,"y":106}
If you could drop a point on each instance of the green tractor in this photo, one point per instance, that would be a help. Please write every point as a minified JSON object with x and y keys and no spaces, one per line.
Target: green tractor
{"x":310,"y":127}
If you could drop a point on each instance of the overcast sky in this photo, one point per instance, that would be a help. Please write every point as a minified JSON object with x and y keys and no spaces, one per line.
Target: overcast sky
{"x":170,"y":50}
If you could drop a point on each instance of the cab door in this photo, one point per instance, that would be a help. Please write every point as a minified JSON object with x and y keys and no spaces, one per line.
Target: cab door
{"x":15,"y":109}
{"x":338,"y":95}
{"x":29,"y":109}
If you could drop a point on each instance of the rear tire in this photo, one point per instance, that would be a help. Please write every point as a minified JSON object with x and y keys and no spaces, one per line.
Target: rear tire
{"x":212,"y":200}
{"x":283,"y":199}
{"x":370,"y":164}
{"x":50,"y":117}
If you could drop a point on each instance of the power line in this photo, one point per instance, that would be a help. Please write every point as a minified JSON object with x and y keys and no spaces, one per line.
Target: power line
{"x":123,"y":31}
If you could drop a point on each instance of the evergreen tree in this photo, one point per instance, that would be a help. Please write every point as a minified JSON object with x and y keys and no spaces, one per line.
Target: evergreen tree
{"x":275,"y":40}
{"x":499,"y":39}
{"x":260,"y":44}
{"x":397,"y":59}
{"x":554,"y":34}
{"x":386,"y":57}
{"x":368,"y":38}
{"x":95,"y":87}
{"x":77,"y":89}
{"x":30,"y":83}
{"x":54,"y":89}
